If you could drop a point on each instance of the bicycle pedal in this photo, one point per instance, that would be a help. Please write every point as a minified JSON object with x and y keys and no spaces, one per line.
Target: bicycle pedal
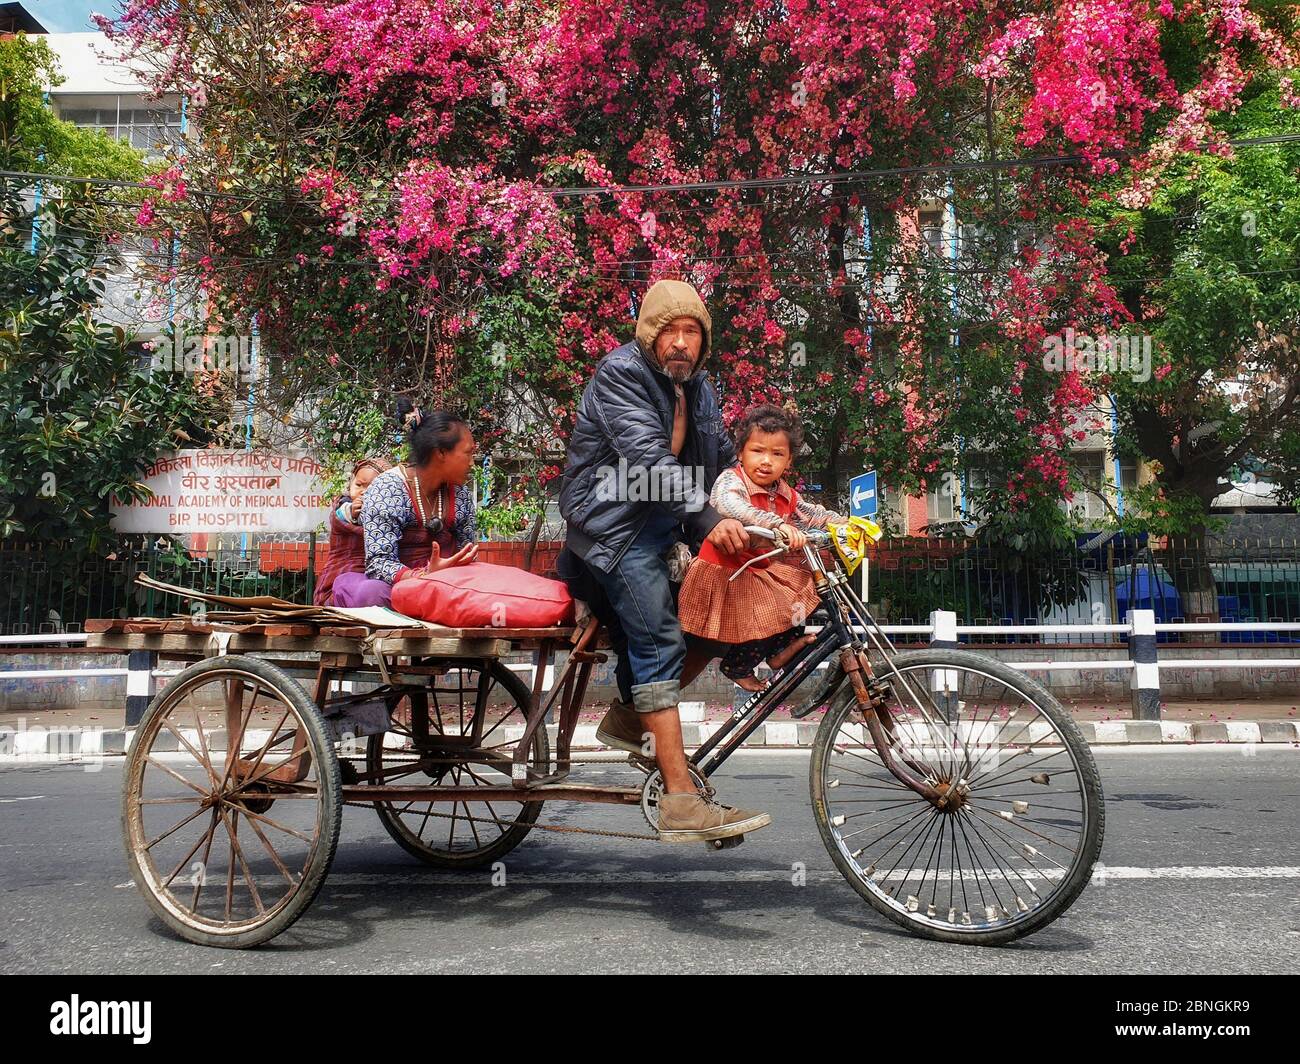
{"x":729,"y":843}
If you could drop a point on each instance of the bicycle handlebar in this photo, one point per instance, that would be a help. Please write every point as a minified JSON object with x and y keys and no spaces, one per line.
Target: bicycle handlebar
{"x":816,"y":540}
{"x":816,"y":537}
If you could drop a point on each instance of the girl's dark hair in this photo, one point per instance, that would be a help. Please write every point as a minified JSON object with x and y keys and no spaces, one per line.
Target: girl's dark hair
{"x":436,"y":430}
{"x":768,"y":418}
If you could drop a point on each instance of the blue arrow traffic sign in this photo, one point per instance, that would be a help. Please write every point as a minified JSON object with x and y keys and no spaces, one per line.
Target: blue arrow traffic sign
{"x":862,"y":495}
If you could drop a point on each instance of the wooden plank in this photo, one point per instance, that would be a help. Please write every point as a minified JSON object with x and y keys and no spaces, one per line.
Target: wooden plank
{"x":436,"y":646}
{"x":288,"y":629}
{"x":240,"y":643}
{"x":256,"y":642}
{"x":185,"y":625}
{"x":192,"y":637}
{"x":111,"y":624}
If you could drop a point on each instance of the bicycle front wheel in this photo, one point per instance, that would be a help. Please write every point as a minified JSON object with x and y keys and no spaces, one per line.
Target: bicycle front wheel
{"x":1014,"y":844}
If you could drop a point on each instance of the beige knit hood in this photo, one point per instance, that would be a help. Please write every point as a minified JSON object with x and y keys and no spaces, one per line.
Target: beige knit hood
{"x":665,"y":301}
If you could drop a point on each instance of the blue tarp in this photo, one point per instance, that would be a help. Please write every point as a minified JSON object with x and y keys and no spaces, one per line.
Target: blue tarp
{"x":1140,"y":591}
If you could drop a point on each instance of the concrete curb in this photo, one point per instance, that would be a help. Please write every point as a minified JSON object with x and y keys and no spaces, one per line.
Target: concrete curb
{"x":40,"y":743}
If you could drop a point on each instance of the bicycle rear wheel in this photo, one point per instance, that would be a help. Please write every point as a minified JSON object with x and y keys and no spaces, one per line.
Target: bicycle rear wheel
{"x":1012,"y":852}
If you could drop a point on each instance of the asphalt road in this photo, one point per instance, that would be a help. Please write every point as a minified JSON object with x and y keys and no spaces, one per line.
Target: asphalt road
{"x":1218,"y":817}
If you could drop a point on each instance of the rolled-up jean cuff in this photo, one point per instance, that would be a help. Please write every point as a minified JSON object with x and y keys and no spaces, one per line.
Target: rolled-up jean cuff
{"x":652,"y":697}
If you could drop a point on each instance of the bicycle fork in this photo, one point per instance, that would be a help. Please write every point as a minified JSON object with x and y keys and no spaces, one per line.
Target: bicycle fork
{"x":869,"y":690}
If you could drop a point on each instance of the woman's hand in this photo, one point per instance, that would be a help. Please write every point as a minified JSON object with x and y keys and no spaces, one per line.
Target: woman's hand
{"x":464,"y":556}
{"x":793,"y":537}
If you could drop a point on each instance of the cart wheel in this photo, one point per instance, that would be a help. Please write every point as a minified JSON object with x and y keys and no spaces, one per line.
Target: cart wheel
{"x":1013,"y":845}
{"x":476,"y":712}
{"x":213,"y":859}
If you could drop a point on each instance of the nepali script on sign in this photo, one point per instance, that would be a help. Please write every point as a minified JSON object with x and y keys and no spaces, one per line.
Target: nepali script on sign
{"x":227,"y":491}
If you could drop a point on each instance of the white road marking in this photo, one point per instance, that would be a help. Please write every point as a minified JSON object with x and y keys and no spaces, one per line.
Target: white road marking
{"x":28,"y":798}
{"x":778,"y":875}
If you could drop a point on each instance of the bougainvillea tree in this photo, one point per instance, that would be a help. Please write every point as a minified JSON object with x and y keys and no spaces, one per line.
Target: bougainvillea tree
{"x":464,"y":199}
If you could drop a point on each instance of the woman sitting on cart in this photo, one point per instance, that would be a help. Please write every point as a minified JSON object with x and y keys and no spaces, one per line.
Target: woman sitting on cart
{"x":417,"y":516}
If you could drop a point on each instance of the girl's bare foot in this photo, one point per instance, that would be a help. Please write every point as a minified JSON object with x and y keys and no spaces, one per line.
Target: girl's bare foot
{"x":776,"y":661}
{"x":751,"y":683}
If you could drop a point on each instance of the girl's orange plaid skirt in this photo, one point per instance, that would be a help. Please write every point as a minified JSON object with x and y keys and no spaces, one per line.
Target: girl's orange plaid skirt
{"x":761,"y":602}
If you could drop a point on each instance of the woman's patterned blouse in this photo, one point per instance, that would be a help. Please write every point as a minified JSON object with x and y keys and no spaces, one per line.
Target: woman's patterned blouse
{"x":387,"y":512}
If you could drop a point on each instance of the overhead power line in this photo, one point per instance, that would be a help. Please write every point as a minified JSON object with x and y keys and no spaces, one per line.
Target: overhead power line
{"x":780,"y":181}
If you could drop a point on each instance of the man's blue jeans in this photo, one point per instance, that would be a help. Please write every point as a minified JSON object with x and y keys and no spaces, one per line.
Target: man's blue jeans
{"x":640,"y":612}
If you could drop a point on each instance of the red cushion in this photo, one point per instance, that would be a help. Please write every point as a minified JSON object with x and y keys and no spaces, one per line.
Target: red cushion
{"x":483,"y":595}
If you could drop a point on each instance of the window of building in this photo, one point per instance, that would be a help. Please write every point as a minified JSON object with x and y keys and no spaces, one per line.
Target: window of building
{"x":943,"y":500}
{"x":148,"y":129}
{"x":1091,"y":469}
{"x":1128,"y":474}
{"x":931,"y":225}
{"x":977,"y":480}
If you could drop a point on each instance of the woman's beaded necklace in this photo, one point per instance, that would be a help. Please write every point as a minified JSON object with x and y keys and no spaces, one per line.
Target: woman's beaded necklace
{"x":418,"y":492}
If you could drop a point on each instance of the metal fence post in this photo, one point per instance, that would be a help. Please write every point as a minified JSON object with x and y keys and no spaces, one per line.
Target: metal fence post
{"x":943,"y":682}
{"x":139,"y":684}
{"x":1146,"y":670}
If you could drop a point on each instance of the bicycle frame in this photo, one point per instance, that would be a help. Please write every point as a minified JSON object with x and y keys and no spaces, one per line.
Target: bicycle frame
{"x":842,"y":606}
{"x":762,"y":704}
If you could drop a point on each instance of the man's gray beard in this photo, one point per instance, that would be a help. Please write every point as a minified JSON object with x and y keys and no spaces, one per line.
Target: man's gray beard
{"x":678,"y":371}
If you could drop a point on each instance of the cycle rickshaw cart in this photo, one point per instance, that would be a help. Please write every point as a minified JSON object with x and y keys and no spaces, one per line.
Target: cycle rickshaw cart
{"x":951,"y":791}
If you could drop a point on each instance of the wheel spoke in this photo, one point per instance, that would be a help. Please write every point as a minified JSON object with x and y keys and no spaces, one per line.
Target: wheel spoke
{"x":236,"y":741}
{"x":203,"y":744}
{"x":275,"y":857}
{"x":269,"y":744}
{"x":484,"y":705}
{"x":175,"y":775}
{"x":203,"y":762}
{"x":193,"y":850}
{"x":900,"y":819}
{"x":231,"y":820}
{"x":262,"y":819}
{"x":171,"y":831}
{"x":203,"y":864}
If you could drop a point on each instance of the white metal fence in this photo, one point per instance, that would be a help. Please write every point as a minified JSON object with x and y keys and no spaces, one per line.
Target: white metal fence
{"x":1143,"y":659}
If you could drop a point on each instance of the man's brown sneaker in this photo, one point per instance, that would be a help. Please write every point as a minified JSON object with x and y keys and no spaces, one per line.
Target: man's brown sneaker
{"x":622,"y":728}
{"x":698,"y":818}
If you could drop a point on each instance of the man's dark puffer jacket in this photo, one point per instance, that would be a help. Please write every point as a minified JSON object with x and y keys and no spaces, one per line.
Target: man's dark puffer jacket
{"x":627,"y":413}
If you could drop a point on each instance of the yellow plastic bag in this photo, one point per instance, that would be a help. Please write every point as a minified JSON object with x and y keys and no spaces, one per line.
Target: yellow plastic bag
{"x":851,"y":539}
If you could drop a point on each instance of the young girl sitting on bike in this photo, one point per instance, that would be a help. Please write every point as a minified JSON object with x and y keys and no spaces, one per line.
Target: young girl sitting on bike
{"x":760,"y":614}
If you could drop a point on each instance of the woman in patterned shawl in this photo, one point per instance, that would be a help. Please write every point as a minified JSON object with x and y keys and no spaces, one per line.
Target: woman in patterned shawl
{"x":418,"y":516}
